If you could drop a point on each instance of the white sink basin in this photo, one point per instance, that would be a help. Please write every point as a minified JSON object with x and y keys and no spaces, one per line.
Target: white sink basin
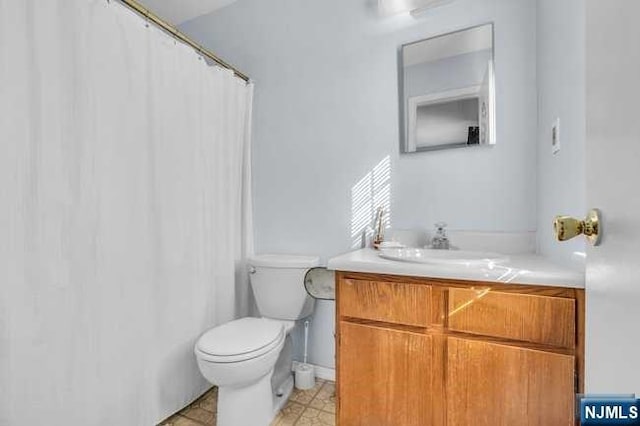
{"x":443,"y":257}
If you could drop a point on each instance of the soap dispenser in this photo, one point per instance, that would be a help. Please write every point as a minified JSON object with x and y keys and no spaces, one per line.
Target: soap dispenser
{"x":440,"y":241}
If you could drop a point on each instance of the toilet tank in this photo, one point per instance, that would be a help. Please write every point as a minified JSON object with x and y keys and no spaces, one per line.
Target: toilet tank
{"x":278,"y":285}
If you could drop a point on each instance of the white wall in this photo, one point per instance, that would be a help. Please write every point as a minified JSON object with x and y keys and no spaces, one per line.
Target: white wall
{"x":326,"y":112}
{"x":561,"y":93}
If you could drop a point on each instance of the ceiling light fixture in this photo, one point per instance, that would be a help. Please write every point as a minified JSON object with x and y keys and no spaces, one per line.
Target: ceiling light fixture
{"x":433,"y":4}
{"x":415,"y":7}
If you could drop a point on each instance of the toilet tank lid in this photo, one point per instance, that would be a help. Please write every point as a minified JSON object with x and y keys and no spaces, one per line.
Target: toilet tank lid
{"x":284,"y":261}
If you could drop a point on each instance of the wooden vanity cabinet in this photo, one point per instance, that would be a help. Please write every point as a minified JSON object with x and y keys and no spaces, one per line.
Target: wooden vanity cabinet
{"x":418,"y":351}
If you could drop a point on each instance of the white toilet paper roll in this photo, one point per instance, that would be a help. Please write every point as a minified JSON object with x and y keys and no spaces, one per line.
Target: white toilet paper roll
{"x":305,"y":376}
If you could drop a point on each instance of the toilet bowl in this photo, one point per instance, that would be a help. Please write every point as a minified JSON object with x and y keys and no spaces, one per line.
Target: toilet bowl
{"x":249,"y":359}
{"x":239,"y":357}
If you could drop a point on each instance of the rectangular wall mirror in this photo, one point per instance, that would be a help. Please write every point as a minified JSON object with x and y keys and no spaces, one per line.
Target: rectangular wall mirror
{"x":448,"y":91}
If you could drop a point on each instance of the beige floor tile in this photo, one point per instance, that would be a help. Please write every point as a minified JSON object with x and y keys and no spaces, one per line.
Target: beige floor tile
{"x":194,"y":412}
{"x":209,"y":401}
{"x":329,"y":387}
{"x":325,"y":399}
{"x":305,"y":396}
{"x":311,"y":407}
{"x":327,"y":418}
{"x":292,"y":408}
{"x":289,"y":414}
{"x":312,"y":417}
{"x":180,"y":421}
{"x":281,"y":421}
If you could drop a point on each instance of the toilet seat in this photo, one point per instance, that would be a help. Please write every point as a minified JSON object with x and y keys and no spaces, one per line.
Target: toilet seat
{"x":240,"y":340}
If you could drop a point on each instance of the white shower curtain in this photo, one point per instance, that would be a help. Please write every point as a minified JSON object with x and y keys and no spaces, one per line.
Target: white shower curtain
{"x":124,"y":213}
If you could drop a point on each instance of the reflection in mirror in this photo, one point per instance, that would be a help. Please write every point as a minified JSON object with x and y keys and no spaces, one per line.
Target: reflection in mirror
{"x":448,"y":91}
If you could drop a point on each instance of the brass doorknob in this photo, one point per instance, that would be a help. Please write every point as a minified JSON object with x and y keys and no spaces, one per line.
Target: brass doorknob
{"x":567,"y":227}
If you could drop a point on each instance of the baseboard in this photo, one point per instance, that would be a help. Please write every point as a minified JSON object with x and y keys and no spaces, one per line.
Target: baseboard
{"x":323,"y":373}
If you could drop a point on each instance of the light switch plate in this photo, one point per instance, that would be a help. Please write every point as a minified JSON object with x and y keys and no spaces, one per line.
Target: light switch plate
{"x":555,"y":136}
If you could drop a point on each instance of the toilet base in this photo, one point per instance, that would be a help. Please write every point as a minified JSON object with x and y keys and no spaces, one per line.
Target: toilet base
{"x":247,"y":406}
{"x":280,"y":399}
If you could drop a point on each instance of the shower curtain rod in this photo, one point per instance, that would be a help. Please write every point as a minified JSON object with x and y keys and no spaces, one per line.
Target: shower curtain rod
{"x":149,"y":15}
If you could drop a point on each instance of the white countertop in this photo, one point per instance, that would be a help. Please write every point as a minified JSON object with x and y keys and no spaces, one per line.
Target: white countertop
{"x":521,"y":269}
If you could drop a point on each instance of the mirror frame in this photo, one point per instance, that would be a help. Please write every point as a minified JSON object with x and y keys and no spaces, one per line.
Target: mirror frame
{"x":403,"y":107}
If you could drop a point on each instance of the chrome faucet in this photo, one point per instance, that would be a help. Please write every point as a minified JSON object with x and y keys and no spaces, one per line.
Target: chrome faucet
{"x":440,"y":241}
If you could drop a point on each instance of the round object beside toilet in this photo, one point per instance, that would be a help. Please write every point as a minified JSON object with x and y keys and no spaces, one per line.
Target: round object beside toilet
{"x":305,"y":376}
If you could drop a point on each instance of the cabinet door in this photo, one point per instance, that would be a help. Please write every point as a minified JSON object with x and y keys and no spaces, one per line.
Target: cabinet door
{"x":384,"y":377}
{"x":494,"y":384}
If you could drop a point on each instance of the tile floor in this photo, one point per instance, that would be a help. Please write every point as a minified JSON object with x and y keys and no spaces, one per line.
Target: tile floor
{"x":315,"y":406}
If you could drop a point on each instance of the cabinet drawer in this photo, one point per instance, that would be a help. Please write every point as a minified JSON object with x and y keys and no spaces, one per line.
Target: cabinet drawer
{"x":529,"y":318}
{"x":398,"y":303}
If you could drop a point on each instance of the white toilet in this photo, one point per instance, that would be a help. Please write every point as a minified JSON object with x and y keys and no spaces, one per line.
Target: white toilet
{"x":250,"y":359}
